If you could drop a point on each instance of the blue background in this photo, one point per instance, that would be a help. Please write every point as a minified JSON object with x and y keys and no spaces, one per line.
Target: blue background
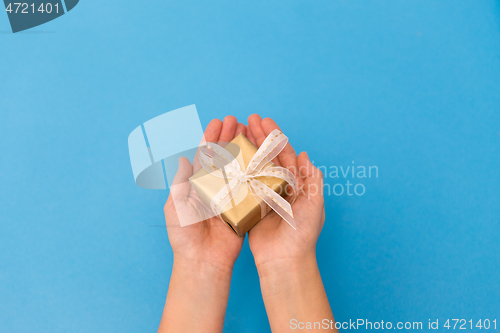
{"x":412,"y":87}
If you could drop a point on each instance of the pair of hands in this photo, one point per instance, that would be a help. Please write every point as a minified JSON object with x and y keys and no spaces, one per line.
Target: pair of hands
{"x":272,"y":239}
{"x":205,"y":252}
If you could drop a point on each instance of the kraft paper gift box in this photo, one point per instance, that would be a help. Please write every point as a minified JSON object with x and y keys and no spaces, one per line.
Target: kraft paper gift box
{"x":247,"y":212}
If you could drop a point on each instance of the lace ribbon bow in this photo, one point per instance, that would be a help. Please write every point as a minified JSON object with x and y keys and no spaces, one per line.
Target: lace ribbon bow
{"x":221,"y":163}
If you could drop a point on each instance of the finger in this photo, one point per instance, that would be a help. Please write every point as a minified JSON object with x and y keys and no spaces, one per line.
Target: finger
{"x":211,"y":134}
{"x":288,"y":157}
{"x":306,"y":168}
{"x":240,"y":128}
{"x":313,"y":177}
{"x":228,"y":128}
{"x":180,"y":184}
{"x":254,"y":122}
{"x":250,"y":136}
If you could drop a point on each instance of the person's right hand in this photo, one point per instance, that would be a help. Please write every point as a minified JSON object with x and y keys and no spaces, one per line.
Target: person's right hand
{"x":291,"y":284}
{"x":272,"y":239}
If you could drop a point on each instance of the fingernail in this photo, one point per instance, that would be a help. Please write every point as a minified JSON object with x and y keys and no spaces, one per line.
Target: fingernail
{"x":307,"y":156}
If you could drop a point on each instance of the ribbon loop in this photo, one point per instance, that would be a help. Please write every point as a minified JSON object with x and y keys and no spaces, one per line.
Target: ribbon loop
{"x":270,"y":148}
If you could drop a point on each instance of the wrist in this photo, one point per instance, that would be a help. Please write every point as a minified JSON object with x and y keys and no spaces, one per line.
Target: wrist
{"x":200,"y":290}
{"x":202,"y":270}
{"x":292,"y":289}
{"x":284,"y":266}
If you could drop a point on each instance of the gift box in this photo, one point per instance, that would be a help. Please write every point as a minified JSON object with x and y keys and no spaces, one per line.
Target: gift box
{"x":246,"y":208}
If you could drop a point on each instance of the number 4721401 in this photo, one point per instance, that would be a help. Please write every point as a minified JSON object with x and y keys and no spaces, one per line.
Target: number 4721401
{"x":463,"y":324}
{"x":25,"y":8}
